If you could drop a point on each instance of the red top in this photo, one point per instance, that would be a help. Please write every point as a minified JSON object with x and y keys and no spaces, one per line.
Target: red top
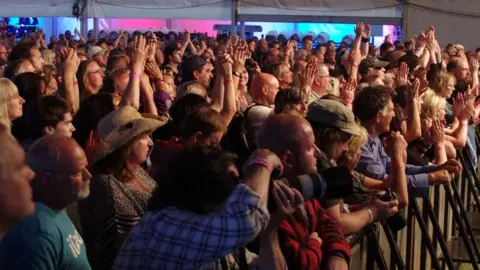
{"x":300,"y":251}
{"x":162,"y":150}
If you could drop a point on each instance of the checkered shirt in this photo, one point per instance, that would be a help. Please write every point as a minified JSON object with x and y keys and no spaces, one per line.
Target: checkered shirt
{"x":177,"y":239}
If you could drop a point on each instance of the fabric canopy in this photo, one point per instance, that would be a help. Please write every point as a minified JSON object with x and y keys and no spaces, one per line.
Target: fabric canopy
{"x":301,"y":10}
{"x":36,"y":8}
{"x":372,"y":11}
{"x":455,"y":21}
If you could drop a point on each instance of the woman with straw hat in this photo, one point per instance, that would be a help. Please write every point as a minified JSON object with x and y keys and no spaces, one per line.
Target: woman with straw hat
{"x":120,"y":188}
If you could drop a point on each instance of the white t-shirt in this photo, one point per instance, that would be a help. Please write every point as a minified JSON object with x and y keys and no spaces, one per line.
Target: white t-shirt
{"x":255,"y":117}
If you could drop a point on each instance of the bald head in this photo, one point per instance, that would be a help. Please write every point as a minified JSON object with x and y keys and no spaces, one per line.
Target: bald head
{"x":260,"y":85}
{"x":282,"y":132}
{"x":61,"y":175}
{"x":50,"y":152}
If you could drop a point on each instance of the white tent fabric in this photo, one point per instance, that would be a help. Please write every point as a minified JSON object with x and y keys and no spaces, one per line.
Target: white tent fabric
{"x":308,"y":10}
{"x":205,"y":9}
{"x":35,"y":8}
{"x":455,"y":21}
{"x":165,"y":9}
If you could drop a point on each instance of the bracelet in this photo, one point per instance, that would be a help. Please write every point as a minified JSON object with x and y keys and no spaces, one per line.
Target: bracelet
{"x":228,"y":81}
{"x":262,"y":162}
{"x":370,"y":213}
{"x":157,"y":80}
{"x":398,"y":165}
{"x":75,"y":82}
{"x":136,"y":75}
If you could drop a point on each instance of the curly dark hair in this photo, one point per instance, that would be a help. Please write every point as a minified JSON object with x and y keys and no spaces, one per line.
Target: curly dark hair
{"x":196,"y":176}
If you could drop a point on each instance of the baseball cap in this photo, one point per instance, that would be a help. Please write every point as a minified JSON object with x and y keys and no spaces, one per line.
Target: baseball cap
{"x":371,"y":63}
{"x":333,"y":113}
{"x":95,"y":50}
{"x":191,"y":64}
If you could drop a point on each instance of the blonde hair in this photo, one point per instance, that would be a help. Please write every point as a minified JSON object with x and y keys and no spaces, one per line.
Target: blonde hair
{"x":433,"y":105}
{"x":440,"y":84}
{"x":355,"y":143}
{"x":8,"y":90}
{"x":334,"y":87}
{"x":49,"y":57}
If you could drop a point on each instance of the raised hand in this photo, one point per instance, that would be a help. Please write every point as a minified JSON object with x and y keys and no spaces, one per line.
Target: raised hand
{"x":367,"y":31}
{"x":347,"y":93}
{"x":396,"y":146}
{"x":359,"y":29}
{"x":227,"y":63}
{"x":186,"y":37}
{"x":414,"y":90}
{"x":138,"y":53}
{"x":153,"y":70}
{"x":71,"y":63}
{"x":240,"y":55}
{"x":437,"y":132}
{"x":474,"y":64}
{"x":151,"y":47}
{"x":308,"y":76}
{"x":402,"y":75}
{"x":462,"y":107}
{"x":427,"y":131}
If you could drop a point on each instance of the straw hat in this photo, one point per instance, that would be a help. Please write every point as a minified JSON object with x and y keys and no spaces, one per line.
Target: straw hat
{"x":121,"y":126}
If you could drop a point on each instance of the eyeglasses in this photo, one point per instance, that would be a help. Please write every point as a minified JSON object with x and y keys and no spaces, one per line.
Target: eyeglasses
{"x":96,"y":71}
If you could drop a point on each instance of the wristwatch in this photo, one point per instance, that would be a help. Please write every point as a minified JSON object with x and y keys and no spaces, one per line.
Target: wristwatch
{"x":236,"y":73}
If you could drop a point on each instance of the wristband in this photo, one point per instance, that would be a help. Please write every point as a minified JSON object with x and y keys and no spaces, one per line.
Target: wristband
{"x":228,"y":81}
{"x":262,"y":162}
{"x":348,"y":102}
{"x":365,"y":40}
{"x":136,"y":75}
{"x":398,"y":165}
{"x":357,"y":38}
{"x":157,"y":80}
{"x":370,"y":213}
{"x":75,"y":82}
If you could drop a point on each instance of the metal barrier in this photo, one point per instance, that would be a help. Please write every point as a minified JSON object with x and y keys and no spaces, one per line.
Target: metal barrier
{"x":440,"y":234}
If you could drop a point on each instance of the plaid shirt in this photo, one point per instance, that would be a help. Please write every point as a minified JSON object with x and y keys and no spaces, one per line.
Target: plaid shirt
{"x":179,"y":239}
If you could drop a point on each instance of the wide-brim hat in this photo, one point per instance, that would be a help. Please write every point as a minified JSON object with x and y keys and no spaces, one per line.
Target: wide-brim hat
{"x":121,"y":126}
{"x":333,"y":113}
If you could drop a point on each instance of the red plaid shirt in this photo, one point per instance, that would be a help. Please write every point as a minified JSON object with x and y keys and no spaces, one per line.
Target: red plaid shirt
{"x":300,"y":251}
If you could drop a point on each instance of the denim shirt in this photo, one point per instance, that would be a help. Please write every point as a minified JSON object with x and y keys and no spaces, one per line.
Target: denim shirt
{"x":375,"y":164}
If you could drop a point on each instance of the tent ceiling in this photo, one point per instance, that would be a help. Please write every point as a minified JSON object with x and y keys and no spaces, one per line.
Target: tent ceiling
{"x":372,"y":11}
{"x":253,"y":10}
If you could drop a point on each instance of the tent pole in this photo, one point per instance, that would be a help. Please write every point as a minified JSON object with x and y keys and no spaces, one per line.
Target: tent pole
{"x":95,"y":26}
{"x":84,"y":20}
{"x":405,"y":19}
{"x":242,"y":30}
{"x":234,"y":17}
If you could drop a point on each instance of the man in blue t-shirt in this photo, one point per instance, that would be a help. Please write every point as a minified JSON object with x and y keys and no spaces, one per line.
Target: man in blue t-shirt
{"x":48,"y":239}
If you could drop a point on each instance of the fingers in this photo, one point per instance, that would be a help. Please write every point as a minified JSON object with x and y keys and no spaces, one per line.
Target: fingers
{"x":298,"y":198}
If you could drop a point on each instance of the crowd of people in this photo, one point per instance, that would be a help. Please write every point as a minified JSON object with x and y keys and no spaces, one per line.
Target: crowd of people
{"x":173,"y":152}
